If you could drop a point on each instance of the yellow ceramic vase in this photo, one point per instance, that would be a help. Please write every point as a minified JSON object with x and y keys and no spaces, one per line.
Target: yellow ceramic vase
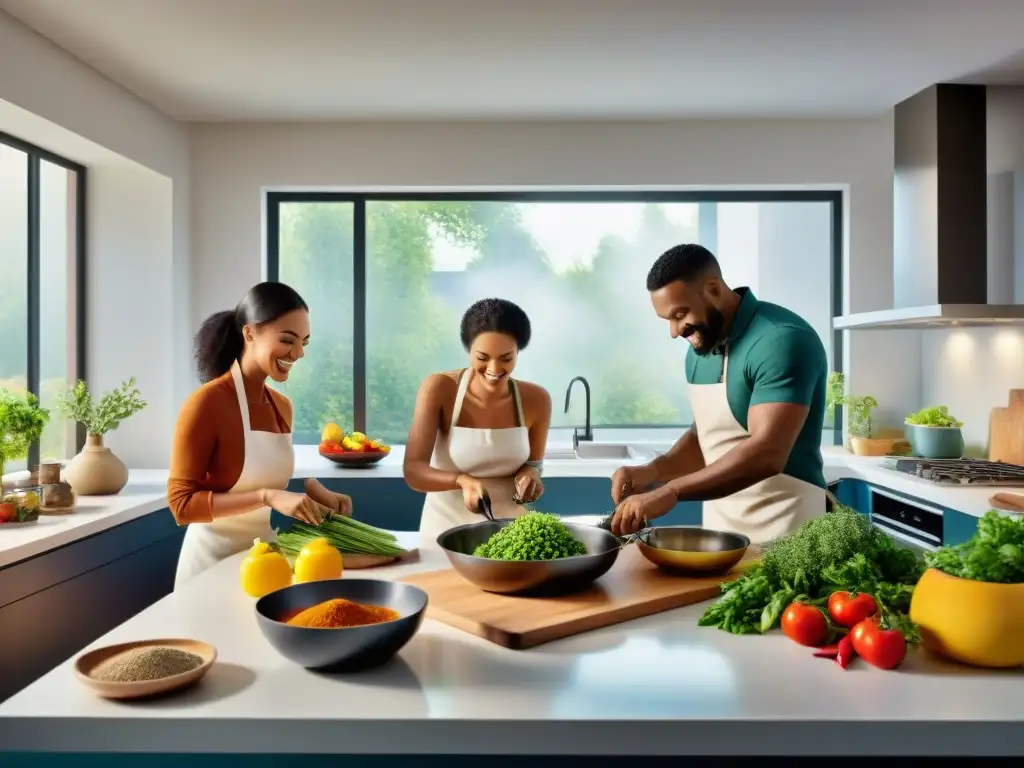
{"x":973,"y":622}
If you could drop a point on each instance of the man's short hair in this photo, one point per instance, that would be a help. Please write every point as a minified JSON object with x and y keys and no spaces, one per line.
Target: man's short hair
{"x":687,"y":263}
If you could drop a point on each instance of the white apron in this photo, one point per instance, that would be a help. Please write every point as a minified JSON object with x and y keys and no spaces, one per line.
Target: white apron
{"x":768,"y":509}
{"x":269,"y":463}
{"x":492,"y":455}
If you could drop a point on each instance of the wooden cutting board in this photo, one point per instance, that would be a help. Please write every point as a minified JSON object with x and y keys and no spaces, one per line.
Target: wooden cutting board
{"x":1006,"y":431}
{"x":631,"y":589}
{"x":1008,"y":502}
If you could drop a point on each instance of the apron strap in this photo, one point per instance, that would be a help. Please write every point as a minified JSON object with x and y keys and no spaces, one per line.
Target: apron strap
{"x":518,"y":401}
{"x":463,"y":386}
{"x":243,"y":403}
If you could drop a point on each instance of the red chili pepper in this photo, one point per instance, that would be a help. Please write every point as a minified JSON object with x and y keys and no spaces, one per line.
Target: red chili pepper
{"x":827,"y":651}
{"x":846,"y":652}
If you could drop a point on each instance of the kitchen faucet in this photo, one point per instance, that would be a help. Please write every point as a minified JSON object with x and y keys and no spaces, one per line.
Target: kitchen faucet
{"x":587,"y":435}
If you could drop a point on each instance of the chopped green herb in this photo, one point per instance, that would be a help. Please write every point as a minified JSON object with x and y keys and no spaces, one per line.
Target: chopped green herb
{"x":532,"y":536}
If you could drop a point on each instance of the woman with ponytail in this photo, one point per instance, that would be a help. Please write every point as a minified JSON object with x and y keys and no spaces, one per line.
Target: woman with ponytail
{"x":232,"y":456}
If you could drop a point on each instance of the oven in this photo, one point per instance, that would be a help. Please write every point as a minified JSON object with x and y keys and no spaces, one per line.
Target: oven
{"x":912,"y":524}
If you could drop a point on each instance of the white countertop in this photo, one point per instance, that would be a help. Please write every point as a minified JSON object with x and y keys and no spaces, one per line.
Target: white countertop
{"x":146,"y":493}
{"x":659,"y":685}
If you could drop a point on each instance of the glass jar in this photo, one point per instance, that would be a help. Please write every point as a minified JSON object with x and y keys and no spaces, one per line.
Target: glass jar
{"x":57,"y":497}
{"x":20,"y":505}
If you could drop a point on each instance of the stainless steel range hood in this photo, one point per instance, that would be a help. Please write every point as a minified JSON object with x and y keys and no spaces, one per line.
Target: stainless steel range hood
{"x":939,"y":216}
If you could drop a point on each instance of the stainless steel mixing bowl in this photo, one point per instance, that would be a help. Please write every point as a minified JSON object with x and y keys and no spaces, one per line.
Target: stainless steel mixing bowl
{"x":568,"y":574}
{"x":692,"y":549}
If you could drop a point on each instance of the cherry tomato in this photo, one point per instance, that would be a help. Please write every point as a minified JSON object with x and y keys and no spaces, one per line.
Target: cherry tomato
{"x":804,"y":624}
{"x":848,"y":611}
{"x":8,"y":512}
{"x":883,"y":648}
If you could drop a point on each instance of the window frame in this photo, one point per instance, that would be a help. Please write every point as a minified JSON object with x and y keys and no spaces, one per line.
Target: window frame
{"x":36,"y":155}
{"x":707,"y":216}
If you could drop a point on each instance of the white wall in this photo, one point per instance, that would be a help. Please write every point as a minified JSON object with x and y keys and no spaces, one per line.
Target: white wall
{"x":972,"y":371}
{"x":232,"y":163}
{"x":138,"y":227}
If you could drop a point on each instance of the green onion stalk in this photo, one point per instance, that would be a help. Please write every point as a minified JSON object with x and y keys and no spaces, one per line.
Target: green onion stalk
{"x":345,"y":534}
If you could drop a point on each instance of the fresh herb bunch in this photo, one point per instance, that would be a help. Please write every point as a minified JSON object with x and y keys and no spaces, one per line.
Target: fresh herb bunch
{"x":840,"y":551}
{"x":532,"y":536}
{"x":994,"y":554}
{"x":106,"y":415}
{"x":858,"y":407}
{"x":936,"y":416}
{"x":22,"y":421}
{"x":345,"y":534}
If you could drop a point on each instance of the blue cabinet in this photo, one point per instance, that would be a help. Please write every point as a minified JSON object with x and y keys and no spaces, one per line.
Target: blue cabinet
{"x":54,"y":604}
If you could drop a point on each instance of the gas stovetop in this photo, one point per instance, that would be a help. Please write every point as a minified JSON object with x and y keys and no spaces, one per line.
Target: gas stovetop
{"x":962,"y":471}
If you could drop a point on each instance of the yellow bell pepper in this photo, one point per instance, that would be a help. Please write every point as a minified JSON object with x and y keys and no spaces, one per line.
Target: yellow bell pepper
{"x":318,"y":561}
{"x":264,"y":570}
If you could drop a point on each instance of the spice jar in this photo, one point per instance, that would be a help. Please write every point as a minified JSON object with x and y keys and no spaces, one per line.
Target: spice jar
{"x":57,"y":496}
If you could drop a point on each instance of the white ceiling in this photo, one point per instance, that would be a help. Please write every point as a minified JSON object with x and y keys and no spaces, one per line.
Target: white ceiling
{"x":202,"y":60}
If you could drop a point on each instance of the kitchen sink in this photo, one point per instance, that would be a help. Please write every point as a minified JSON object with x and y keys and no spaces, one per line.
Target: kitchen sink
{"x":587,"y":451}
{"x":605,"y":451}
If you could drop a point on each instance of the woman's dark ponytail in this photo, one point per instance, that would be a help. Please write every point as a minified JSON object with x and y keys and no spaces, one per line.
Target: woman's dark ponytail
{"x":219,"y":342}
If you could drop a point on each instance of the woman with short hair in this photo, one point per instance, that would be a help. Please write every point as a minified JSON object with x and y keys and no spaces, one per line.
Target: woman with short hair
{"x":478,"y":435}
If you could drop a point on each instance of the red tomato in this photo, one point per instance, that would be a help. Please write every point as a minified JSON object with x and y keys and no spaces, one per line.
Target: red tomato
{"x":331,"y":446}
{"x":8,"y":513}
{"x":883,"y":648}
{"x":804,"y":624}
{"x":847,"y":611}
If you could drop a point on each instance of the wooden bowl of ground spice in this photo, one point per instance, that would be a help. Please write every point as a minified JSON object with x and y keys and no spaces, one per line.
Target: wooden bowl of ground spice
{"x":145,"y":668}
{"x":341,"y":624}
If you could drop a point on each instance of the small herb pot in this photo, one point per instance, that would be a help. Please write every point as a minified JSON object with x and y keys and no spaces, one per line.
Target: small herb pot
{"x":935,"y":442}
{"x":873,"y":446}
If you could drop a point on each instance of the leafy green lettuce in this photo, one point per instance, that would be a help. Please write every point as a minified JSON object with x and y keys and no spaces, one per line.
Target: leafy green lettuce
{"x":936,"y":416}
{"x":995,"y":553}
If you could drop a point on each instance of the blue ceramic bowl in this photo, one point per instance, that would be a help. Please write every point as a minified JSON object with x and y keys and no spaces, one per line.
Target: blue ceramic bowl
{"x":348,"y":648}
{"x":935,"y":442}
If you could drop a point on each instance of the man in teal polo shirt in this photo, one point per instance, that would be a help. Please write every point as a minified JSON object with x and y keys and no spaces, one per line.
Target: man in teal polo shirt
{"x":756,"y":374}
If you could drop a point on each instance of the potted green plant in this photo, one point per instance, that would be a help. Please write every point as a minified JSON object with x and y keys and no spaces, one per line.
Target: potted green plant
{"x":859,"y":423}
{"x":934,"y":434}
{"x":95,"y":471}
{"x":22,"y":421}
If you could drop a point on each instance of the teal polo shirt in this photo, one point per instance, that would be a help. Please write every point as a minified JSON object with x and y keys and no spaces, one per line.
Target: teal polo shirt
{"x":775,"y":356}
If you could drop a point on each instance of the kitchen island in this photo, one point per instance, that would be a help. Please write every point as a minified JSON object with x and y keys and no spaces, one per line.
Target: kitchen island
{"x":126,"y":547}
{"x":654,"y":686}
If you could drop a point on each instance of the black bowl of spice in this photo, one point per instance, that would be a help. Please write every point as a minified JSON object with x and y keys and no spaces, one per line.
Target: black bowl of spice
{"x":341,"y":624}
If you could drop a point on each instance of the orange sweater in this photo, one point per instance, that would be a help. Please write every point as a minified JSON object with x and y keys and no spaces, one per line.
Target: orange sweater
{"x":208,"y":449}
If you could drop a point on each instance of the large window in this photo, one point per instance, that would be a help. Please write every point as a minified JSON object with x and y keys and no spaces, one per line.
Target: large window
{"x":387,"y":278}
{"x":42,"y":199}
